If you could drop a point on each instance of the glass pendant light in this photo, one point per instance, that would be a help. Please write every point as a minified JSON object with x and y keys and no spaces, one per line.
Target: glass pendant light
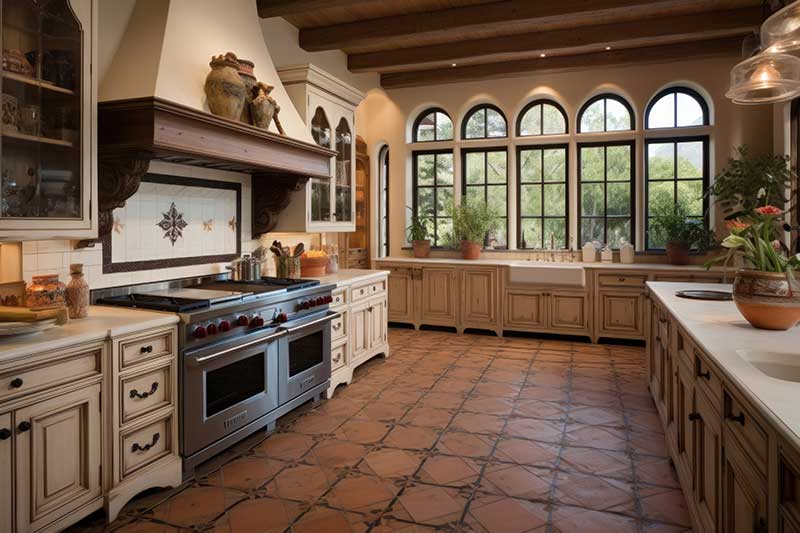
{"x":774,"y":74}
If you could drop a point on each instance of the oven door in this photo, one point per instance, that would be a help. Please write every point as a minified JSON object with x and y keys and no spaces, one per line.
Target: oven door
{"x":227,"y":387}
{"x":305,"y":356}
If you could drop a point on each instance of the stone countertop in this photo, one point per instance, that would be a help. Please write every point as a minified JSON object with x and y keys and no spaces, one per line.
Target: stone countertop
{"x":720,"y":330}
{"x":509,"y":262}
{"x":348,"y":276}
{"x":102,"y":323}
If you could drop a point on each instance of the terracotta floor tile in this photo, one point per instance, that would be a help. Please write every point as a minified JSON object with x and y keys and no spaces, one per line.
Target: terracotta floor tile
{"x":490,"y":405}
{"x":429,"y":504}
{"x":334,"y":453}
{"x":362,"y":493}
{"x":411,"y":437}
{"x":597,"y":416}
{"x":597,"y":462}
{"x":196,"y":505}
{"x":517,"y":481}
{"x":540,"y":409}
{"x":341,"y":407}
{"x":527,"y":452}
{"x":246,"y":473}
{"x":535,"y":429}
{"x":321,"y":519}
{"x":579,"y":520}
{"x":665,"y":505}
{"x":390,"y":525}
{"x":285,"y":446}
{"x":464,"y":373}
{"x":465,"y":444}
{"x":606,"y":438}
{"x":427,"y":417}
{"x":381,"y":411}
{"x":648,"y":443}
{"x":449,"y":470}
{"x":299,"y":482}
{"x":391,"y":462}
{"x":401,"y":396}
{"x":549,"y":394}
{"x":140,"y":526}
{"x":656,"y":471}
{"x":441,"y":400}
{"x":594,"y":492}
{"x":478,"y":423}
{"x":262,"y":514}
{"x":507,"y":515}
{"x":490,"y":388}
{"x":595,"y":398}
{"x":364,"y":431}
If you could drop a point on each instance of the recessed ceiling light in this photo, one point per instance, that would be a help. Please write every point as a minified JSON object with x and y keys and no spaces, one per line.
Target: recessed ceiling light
{"x":542,"y":55}
{"x":453,"y":64}
{"x":608,"y":48}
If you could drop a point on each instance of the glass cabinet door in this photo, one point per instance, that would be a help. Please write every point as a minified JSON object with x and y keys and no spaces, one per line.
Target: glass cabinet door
{"x":344,"y":173}
{"x":320,"y":189}
{"x":41,"y":175}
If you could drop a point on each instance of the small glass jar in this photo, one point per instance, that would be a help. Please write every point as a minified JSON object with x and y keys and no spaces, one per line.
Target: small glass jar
{"x":45,"y":292}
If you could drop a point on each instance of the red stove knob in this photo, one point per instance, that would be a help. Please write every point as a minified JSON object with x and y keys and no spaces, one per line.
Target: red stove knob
{"x":243,"y":320}
{"x":319,"y":301}
{"x":303,"y":305}
{"x":328,"y":299}
{"x":257,"y":322}
{"x":199,"y":332}
{"x":281,"y":318}
{"x":224,"y":326}
{"x":211,"y":329}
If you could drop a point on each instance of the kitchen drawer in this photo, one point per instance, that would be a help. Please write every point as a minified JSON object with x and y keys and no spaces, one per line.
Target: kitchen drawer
{"x":362,"y":292}
{"x":62,"y":367}
{"x":339,"y":297}
{"x":685,"y":350}
{"x":137,"y":350}
{"x":708,"y":378}
{"x":340,"y":326}
{"x":621,"y":280}
{"x":145,"y":445}
{"x":145,"y":392}
{"x":748,"y":430}
{"x":339,"y":356}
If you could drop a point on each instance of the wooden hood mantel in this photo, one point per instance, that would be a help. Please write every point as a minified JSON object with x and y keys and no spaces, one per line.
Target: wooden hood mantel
{"x":134,"y":132}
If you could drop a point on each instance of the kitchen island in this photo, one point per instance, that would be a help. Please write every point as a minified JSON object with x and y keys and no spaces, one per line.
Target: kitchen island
{"x":727,"y":397}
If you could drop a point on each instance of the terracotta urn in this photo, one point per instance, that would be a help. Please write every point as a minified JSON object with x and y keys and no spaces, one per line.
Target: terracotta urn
{"x":677,"y":253}
{"x":768,"y":300}
{"x":77,"y":293}
{"x":470,"y":250}
{"x":421,"y":248}
{"x":225,"y":91}
{"x":247,"y":74}
{"x":262,"y":106}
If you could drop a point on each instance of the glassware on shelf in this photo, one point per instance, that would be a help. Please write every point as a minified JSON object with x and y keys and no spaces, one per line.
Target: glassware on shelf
{"x":29,"y":119}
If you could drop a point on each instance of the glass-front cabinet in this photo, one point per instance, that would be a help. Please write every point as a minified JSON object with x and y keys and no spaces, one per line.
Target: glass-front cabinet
{"x":328,"y":107}
{"x":46,"y":168}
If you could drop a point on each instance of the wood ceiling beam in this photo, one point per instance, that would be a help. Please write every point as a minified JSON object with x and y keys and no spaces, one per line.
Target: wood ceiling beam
{"x":729,"y":46}
{"x":456,"y":23}
{"x":283,"y":8}
{"x":618,"y":35}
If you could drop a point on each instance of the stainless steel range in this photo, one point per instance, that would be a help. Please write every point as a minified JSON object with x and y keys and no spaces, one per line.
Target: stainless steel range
{"x":250,"y":352}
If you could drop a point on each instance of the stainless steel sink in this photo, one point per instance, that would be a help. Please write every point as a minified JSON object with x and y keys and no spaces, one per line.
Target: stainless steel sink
{"x":779,"y":365}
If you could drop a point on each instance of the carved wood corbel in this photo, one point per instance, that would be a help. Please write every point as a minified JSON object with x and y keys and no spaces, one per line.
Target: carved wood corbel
{"x":272,"y":193}
{"x":118,"y":179}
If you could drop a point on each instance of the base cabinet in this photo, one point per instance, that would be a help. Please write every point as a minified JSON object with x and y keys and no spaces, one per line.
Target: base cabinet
{"x":707,"y":461}
{"x":401,"y":294}
{"x":621,"y":314}
{"x":480,"y":292}
{"x":438,"y":296}
{"x":744,"y":492}
{"x":544,"y":311}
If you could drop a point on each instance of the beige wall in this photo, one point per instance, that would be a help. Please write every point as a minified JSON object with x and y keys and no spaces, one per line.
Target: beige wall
{"x":386,"y":116}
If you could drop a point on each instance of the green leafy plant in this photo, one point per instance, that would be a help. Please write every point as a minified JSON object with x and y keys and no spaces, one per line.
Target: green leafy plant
{"x":418,"y":230}
{"x":471,"y":222}
{"x":752,"y":181}
{"x":757,"y":237}
{"x":672,"y":225}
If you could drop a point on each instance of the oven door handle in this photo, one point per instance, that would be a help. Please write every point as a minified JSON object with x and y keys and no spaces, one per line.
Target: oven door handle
{"x":327,"y":318}
{"x":197,"y":361}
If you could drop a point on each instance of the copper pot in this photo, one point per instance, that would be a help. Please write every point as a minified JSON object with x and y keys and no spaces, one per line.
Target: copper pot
{"x":768,"y":300}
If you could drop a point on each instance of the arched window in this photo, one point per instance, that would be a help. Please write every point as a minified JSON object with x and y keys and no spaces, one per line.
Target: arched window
{"x":542,"y":117}
{"x":676,"y":107}
{"x":677,"y":167}
{"x":484,"y":122}
{"x":433,"y":124}
{"x":605,"y":112}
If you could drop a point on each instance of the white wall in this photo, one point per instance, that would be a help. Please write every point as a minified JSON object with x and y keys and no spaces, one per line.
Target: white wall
{"x":385,"y":117}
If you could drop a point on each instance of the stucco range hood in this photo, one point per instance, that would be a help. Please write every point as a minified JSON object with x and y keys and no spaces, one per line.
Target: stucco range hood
{"x":136,"y":131}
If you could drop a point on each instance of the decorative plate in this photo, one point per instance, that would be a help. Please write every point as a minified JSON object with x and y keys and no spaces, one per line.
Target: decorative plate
{"x":719,"y":296}
{"x":23,"y":328}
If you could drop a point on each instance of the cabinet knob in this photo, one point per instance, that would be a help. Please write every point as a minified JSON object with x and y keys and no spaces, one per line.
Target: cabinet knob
{"x":147,"y":349}
{"x":694,"y":416}
{"x":337,"y":358}
{"x":16,"y":383}
{"x":24,"y":426}
{"x":5,"y":433}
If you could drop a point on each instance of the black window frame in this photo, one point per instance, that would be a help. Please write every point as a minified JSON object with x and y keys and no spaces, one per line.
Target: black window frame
{"x":421,"y":116}
{"x":675,"y":90}
{"x":542,"y":217}
{"x":485,"y":184}
{"x":604,"y":97}
{"x":415,"y":188}
{"x":706,"y":180}
{"x":633,"y":180}
{"x":542,"y":102}
{"x":383,"y":206}
{"x":471,"y":112}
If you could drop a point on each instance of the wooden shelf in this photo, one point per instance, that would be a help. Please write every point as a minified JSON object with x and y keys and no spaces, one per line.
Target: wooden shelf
{"x":27,"y":80}
{"x":36,"y":139}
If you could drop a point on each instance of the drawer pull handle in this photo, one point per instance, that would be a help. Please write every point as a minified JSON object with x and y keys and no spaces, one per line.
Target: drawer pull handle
{"x":147,"y":349}
{"x":5,"y":433}
{"x":142,"y":395}
{"x":139,"y":448}
{"x":337,"y":326}
{"x":706,"y":375}
{"x":24,"y":426}
{"x":694,"y":417}
{"x":738,"y":418}
{"x":338,"y":357}
{"x":16,"y":383}
{"x":658,"y":338}
{"x":621,"y":280}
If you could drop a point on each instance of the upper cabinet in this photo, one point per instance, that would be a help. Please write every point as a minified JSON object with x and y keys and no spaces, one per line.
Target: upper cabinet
{"x":48,"y":185}
{"x":327,"y":105}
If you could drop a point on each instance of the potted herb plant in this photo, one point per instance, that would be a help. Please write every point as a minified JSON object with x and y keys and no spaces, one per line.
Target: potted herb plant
{"x":679,"y":233}
{"x":418,"y":235}
{"x":766,"y":291}
{"x":471,"y":224}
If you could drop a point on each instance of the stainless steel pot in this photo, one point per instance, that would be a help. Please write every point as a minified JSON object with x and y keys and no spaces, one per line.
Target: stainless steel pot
{"x":245,"y":268}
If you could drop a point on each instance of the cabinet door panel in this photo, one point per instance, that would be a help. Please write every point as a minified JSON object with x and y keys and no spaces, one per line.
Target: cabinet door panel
{"x":359,"y":315}
{"x":707,"y":461}
{"x":683,"y":400}
{"x":479,"y":297}
{"x":377,"y":317}
{"x":525,"y":310}
{"x":438,"y":296}
{"x":58,"y":457}
{"x":401,"y":295}
{"x":6,"y":470}
{"x":569,"y":311}
{"x":622,"y":314}
{"x":744,"y":493}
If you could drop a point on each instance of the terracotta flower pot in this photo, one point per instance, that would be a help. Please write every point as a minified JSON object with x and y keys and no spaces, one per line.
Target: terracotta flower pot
{"x":421,"y":248}
{"x":470,"y":250}
{"x":768,"y":300}
{"x":677,"y":253}
{"x":224,"y":88}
